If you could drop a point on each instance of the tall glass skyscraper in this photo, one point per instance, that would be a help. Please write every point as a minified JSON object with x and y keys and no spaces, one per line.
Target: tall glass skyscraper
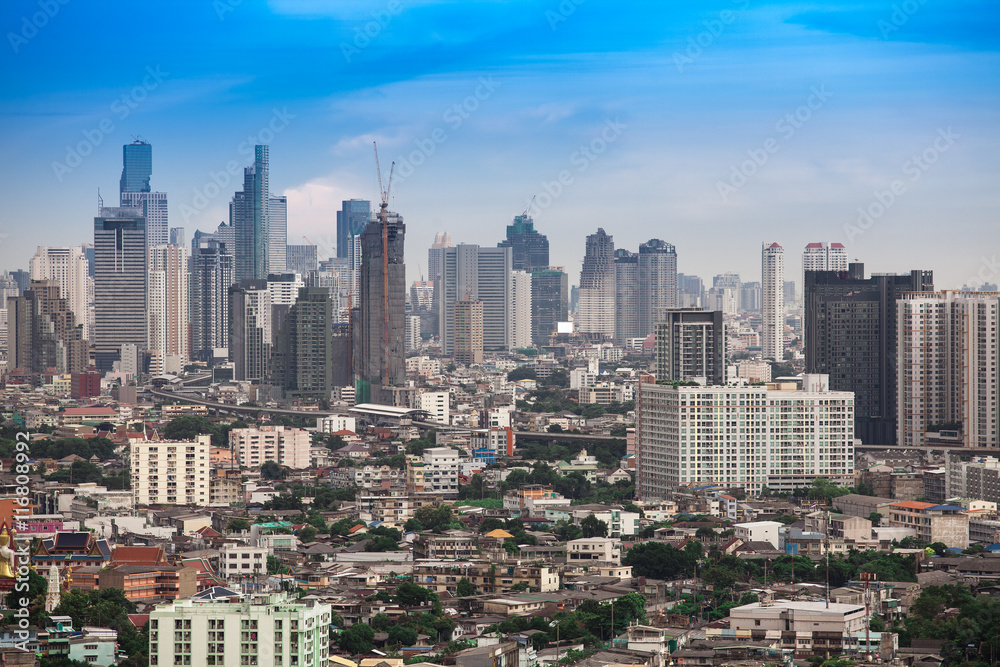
{"x":352,"y":220}
{"x":137,"y":161}
{"x":249,"y":215}
{"x":137,"y":168}
{"x":530,"y":249}
{"x":120,"y":274}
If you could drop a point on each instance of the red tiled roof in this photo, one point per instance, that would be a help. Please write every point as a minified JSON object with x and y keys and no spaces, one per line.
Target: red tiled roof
{"x":913,"y":505}
{"x":138,"y":620}
{"x":139,"y":556}
{"x":814,"y":245}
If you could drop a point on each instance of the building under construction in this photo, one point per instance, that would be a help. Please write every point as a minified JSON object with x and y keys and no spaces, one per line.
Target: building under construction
{"x":378,"y":322}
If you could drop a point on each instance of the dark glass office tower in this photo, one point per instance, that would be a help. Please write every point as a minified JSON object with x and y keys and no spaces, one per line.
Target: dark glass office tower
{"x":249,"y":215}
{"x":549,"y":302}
{"x":850,"y":334}
{"x":119,"y":283}
{"x":352,"y":220}
{"x":529,"y":249}
{"x":657,"y":282}
{"x":211,"y":277}
{"x":137,"y":166}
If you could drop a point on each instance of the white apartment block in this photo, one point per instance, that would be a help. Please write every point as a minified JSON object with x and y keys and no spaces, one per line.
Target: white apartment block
{"x":167,"y":315}
{"x":335,"y":423}
{"x":171,"y":473}
{"x":284,"y":288}
{"x":264,"y":630}
{"x":948,"y":350}
{"x":70,"y":269}
{"x":435,"y":472}
{"x":772,"y":301}
{"x":747,"y":437}
{"x":253,"y":447}
{"x":438,"y":404}
{"x":594,"y":549}
{"x":411,"y":333}
{"x":823,"y":257}
{"x":236,"y":562}
{"x":520,"y":310}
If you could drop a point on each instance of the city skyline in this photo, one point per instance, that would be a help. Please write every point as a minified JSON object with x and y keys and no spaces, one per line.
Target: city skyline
{"x":727,"y":158}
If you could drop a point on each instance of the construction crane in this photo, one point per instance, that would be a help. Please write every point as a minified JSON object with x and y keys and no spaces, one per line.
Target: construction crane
{"x":383,"y":210}
{"x":530,"y":204}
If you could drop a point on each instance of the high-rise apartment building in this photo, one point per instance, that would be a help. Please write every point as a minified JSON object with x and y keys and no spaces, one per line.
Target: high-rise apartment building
{"x":657,"y":282}
{"x":249,"y":215}
{"x":120,"y":266}
{"x":177,"y":236}
{"x":467,"y":341}
{"x":378,"y":334}
{"x":70,"y":269}
{"x":277,"y":230}
{"x":549,"y":302}
{"x":253,"y":447}
{"x":135,"y":190}
{"x":849,"y":327}
{"x":596,"y":313}
{"x":529,"y":249}
{"x":483,"y":273}
{"x":747,"y":437}
{"x":442,"y":240}
{"x":250,"y":331}
{"x":772,"y":335}
{"x":691,"y":346}
{"x":211,"y":278}
{"x":304,"y":363}
{"x":352,"y":220}
{"x":301,"y":259}
{"x":168,"y":472}
{"x":725,"y":293}
{"x":43,"y":332}
{"x":823,"y":257}
{"x":263,"y":630}
{"x":520,"y":310}
{"x":947,"y":352}
{"x":168,"y":308}
{"x":690,"y":291}
{"x":626,"y":296}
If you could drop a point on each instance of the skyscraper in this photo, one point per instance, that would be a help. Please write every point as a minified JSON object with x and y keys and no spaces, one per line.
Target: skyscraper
{"x":211,"y":277}
{"x":303,"y":356}
{"x":137,"y":169}
{"x":177,"y":236}
{"x":467,"y":347}
{"x":277,"y":221}
{"x":772,"y":301}
{"x":43,"y":332}
{"x":725,"y":293}
{"x":379,"y":329}
{"x":529,"y":249}
{"x":483,"y":273}
{"x":119,"y":283}
{"x":657,"y":282}
{"x":301,"y":259}
{"x":948,"y":349}
{"x":691,"y":345}
{"x":823,"y":257}
{"x":626,"y":296}
{"x":249,"y":215}
{"x":352,"y":220}
{"x":596,"y":316}
{"x":168,"y":308}
{"x":69,"y":268}
{"x":520,"y":310}
{"x":849,"y":327}
{"x":442,"y":240}
{"x":549,"y":302}
{"x":250,"y":330}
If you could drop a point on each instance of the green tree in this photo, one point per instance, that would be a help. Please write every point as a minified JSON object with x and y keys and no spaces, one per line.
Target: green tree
{"x":706,"y":533}
{"x":465,"y":587}
{"x":271,"y":470}
{"x":237,"y":526}
{"x":409,"y":594}
{"x":658,"y":560}
{"x":358,"y":638}
{"x":307,"y":533}
{"x":593,"y":527}
{"x":381,"y":543}
{"x":402,"y":635}
{"x":188,"y":427}
{"x":875,"y":518}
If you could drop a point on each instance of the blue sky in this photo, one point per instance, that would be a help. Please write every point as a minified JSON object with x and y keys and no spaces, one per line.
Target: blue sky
{"x":712,"y":125}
